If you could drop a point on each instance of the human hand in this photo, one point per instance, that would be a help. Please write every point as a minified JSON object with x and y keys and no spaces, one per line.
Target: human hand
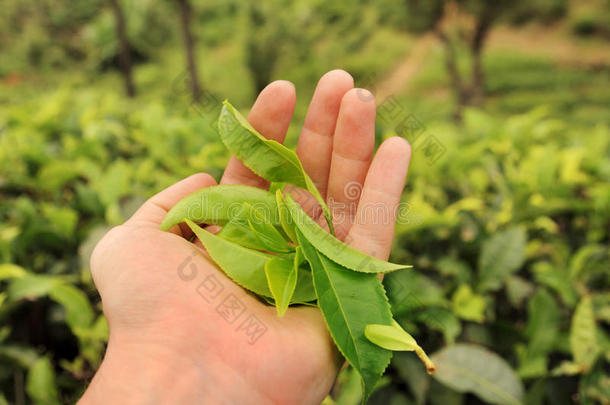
{"x":174,"y":337}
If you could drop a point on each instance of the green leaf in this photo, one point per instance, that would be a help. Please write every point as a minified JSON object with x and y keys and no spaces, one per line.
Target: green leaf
{"x":250,"y":228}
{"x":394,"y":337}
{"x":440,"y":319}
{"x":601,"y":306}
{"x":390,"y":337}
{"x":567,"y":368}
{"x":550,"y":275}
{"x":542,"y":330}
{"x":282,"y":279}
{"x":79,"y":313}
{"x":218,"y":204}
{"x":10,"y":270}
{"x":349,"y":385}
{"x":413,"y":374}
{"x":583,"y":340}
{"x":24,"y":356}
{"x":267,"y":158}
{"x":64,"y":219}
{"x":285,"y":218}
{"x":238,"y":231}
{"x":518,"y":289}
{"x":244,"y":266}
{"x":304,"y":290}
{"x":32,"y":286}
{"x":349,"y":301}
{"x":268,"y":235}
{"x":542,"y":322}
{"x":333,"y":248}
{"x":501,"y":255}
{"x":40,"y":384}
{"x":470,"y":368}
{"x":468,"y":305}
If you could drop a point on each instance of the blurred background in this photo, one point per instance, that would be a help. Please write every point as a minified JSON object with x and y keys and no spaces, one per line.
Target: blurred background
{"x":507,"y":207}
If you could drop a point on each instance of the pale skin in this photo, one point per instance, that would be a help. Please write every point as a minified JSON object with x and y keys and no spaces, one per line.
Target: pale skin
{"x":167,"y":345}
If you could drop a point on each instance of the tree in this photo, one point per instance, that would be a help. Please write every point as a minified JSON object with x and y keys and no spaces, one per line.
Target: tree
{"x":263,"y":42}
{"x":124,"y":48}
{"x":189,"y":46}
{"x":470,"y":22}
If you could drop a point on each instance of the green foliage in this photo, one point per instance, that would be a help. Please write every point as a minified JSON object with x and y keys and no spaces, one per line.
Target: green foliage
{"x":501,"y":255}
{"x":333,"y":248}
{"x":468,"y":368}
{"x":41,"y":385}
{"x":76,"y":159}
{"x":213,"y":205}
{"x":340,"y":292}
{"x":265,"y":157}
{"x":244,"y":266}
{"x":282,"y":279}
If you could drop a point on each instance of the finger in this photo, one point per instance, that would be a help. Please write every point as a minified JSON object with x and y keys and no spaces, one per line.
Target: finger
{"x":353,"y":147}
{"x":373,"y":230}
{"x":152,"y":212}
{"x":315,"y":142}
{"x":270,"y":115}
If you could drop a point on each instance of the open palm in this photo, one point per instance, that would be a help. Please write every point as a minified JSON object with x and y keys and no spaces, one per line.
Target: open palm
{"x":169,"y":306}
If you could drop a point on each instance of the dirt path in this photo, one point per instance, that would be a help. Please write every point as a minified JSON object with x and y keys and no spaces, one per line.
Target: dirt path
{"x":398,"y":80}
{"x":553,"y":42}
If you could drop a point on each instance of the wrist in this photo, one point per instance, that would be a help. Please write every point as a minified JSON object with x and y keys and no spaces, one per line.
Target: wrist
{"x":136,"y":373}
{"x":159,"y":373}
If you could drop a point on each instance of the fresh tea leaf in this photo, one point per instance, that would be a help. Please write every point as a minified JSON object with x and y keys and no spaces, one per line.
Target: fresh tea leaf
{"x":41,"y":385}
{"x":470,"y":368}
{"x":583,"y":340}
{"x":285,"y":218}
{"x":282,"y":279}
{"x":390,"y":337}
{"x":265,"y":232}
{"x":244,"y":266}
{"x":267,"y":158}
{"x":79,"y":313}
{"x":349,"y":301}
{"x":501,"y":255}
{"x":394,"y":337}
{"x":10,"y":270}
{"x":250,"y":228}
{"x":333,"y":248}
{"x":238,"y":231}
{"x":543,"y":322}
{"x":468,"y":305}
{"x":218,"y":204}
{"x":304,"y":290}
{"x":32,"y":286}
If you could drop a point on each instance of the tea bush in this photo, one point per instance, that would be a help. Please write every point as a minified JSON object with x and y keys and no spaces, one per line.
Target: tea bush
{"x":508,"y":229}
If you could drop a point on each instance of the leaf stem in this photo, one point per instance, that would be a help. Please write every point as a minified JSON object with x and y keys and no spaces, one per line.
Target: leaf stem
{"x":430,"y":367}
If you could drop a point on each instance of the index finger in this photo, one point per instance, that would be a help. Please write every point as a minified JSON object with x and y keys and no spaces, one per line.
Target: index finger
{"x":270,"y":115}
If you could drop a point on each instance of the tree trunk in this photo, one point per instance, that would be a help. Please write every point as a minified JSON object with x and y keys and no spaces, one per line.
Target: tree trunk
{"x":455,"y":80}
{"x":481,"y":30}
{"x":189,"y":44}
{"x":124,"y":48}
